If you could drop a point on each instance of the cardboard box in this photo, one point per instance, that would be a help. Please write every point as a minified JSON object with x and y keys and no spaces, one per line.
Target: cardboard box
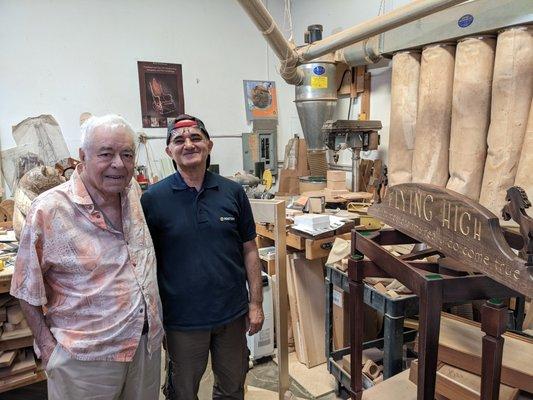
{"x":333,"y":175}
{"x":336,"y":185}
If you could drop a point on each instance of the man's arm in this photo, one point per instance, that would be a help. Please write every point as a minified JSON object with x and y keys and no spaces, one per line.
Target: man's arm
{"x":253,"y":275}
{"x":35,"y":318}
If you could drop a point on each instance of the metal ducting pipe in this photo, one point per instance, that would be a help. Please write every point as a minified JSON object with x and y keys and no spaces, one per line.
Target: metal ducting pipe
{"x":283,"y":49}
{"x":361,"y":53}
{"x":402,"y":15}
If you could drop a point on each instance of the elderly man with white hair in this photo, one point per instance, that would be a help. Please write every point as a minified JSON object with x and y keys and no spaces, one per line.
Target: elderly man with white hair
{"x":85,"y":275}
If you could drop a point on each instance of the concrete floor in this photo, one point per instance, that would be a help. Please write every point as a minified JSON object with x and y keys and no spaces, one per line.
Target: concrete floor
{"x":263,"y":375}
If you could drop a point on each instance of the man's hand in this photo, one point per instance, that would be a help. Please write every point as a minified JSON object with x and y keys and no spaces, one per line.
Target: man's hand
{"x":255,"y":318}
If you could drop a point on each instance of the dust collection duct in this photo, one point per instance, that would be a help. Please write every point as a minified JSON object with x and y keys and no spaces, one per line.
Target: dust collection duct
{"x":316,"y":99}
{"x":312,"y":67}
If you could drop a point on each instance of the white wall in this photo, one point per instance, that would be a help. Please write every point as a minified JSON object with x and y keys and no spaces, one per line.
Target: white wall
{"x":64,"y":57}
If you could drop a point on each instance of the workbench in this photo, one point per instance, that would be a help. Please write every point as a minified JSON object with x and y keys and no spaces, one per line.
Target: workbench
{"x":315,"y":247}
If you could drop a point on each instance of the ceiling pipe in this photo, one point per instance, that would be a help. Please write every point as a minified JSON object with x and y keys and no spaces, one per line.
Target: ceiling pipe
{"x":362,"y":39}
{"x":400,"y":16}
{"x":365,"y":52}
{"x":283,"y":49}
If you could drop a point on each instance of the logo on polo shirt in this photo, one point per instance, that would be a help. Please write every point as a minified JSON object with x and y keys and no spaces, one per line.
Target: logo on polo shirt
{"x":222,"y":219}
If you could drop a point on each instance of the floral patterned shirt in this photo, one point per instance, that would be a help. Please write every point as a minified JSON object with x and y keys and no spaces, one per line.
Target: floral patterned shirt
{"x":96,"y":284}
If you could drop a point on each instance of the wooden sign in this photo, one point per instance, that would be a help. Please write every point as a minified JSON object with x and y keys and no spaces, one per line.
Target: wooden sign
{"x":456,"y":226}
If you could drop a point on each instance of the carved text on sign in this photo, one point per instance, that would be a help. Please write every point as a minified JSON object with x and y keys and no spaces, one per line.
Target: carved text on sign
{"x":421,"y":205}
{"x":456,"y":226}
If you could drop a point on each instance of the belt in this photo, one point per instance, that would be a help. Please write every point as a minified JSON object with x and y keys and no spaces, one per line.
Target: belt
{"x":145,"y":327}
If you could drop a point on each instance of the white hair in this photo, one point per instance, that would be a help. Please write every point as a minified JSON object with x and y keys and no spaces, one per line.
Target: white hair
{"x":110,"y":124}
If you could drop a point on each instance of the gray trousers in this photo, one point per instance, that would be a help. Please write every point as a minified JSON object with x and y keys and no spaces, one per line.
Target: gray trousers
{"x":189,"y":352}
{"x":71,"y":379}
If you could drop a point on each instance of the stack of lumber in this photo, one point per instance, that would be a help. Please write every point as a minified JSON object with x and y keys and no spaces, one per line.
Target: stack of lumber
{"x":305,"y":281}
{"x":460,"y":345}
{"x":336,"y":184}
{"x":454,"y":383}
{"x":459,"y":369}
{"x":18,"y":366}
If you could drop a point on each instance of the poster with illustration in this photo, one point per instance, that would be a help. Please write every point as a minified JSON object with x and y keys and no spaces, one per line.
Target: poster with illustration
{"x":260,"y":100}
{"x":161,"y":87}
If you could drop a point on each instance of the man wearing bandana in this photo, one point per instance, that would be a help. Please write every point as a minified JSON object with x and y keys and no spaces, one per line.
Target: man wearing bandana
{"x":203,"y":232}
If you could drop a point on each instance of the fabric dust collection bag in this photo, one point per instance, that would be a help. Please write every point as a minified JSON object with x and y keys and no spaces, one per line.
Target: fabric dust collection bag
{"x":524,"y":173}
{"x":512,"y":88}
{"x":472,"y":86}
{"x":432,"y":137}
{"x":404,"y":104}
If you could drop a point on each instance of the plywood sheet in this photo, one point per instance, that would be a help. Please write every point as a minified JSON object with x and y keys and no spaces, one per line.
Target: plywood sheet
{"x":398,"y":387}
{"x":456,"y":384}
{"x":299,"y":345}
{"x":460,"y":345}
{"x":309,"y":290}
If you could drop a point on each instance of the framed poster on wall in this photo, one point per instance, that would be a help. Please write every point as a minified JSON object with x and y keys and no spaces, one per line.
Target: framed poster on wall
{"x":260,"y":100}
{"x":161,"y":88}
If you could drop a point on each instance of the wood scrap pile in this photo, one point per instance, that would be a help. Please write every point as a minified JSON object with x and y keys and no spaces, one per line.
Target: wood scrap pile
{"x":389,"y":287}
{"x":400,"y":249}
{"x":18,"y":366}
{"x":459,"y":368}
{"x":371,"y":364}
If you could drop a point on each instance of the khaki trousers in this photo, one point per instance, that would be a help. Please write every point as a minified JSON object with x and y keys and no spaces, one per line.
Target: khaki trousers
{"x":71,"y":379}
{"x":189,"y":352}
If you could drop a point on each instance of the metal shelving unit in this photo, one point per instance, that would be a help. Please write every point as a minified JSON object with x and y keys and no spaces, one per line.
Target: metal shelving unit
{"x":394,"y":335}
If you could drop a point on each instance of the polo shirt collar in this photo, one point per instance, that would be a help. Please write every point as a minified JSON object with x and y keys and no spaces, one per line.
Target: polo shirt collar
{"x":210,"y":181}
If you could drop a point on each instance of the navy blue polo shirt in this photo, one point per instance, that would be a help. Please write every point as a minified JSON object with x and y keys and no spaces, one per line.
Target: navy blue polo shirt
{"x":198,"y":239}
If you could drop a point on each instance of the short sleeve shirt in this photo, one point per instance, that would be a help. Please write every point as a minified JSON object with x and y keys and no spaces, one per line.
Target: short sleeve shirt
{"x":198,"y":238}
{"x":95,"y":284}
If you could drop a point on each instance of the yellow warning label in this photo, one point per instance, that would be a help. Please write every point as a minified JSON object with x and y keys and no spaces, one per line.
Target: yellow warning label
{"x":319,"y":82}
